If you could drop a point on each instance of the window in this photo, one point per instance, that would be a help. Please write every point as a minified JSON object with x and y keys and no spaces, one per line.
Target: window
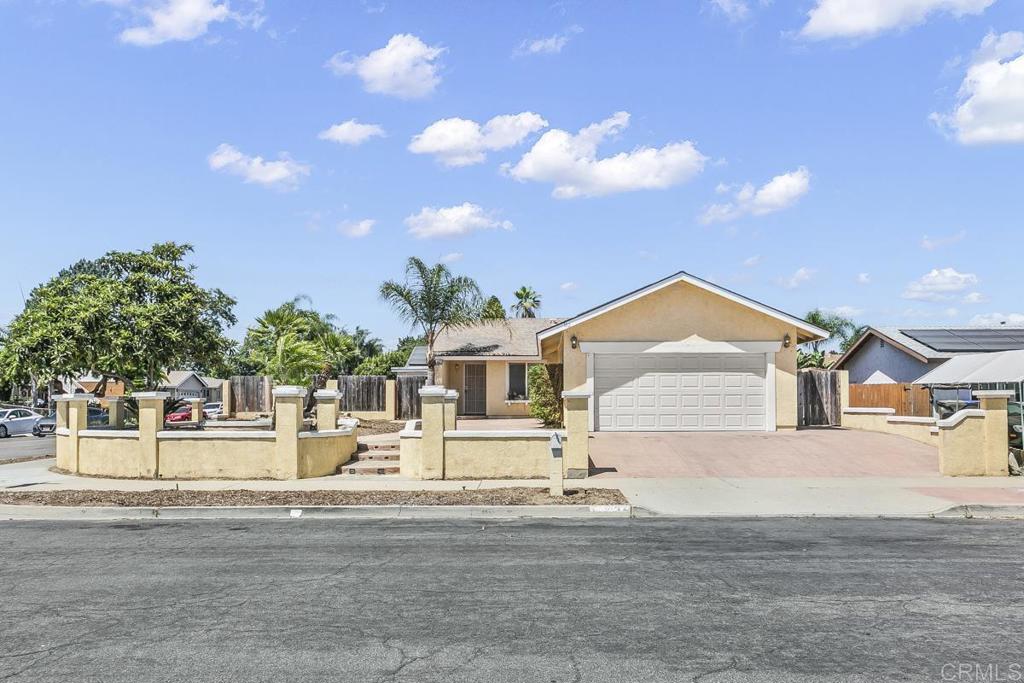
{"x":518,"y":387}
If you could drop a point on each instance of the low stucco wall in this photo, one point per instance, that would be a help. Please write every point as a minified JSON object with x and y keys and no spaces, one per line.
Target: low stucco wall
{"x":206,"y":458}
{"x":108,"y":456}
{"x":479,"y":456}
{"x":411,"y":458}
{"x":960,"y":445}
{"x":320,"y":453}
{"x":884,"y":420}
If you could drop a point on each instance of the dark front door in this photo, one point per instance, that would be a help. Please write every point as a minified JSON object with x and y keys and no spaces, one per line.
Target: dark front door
{"x":474,"y":389}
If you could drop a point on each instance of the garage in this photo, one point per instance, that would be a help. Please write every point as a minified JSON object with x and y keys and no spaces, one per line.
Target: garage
{"x":680,"y":392}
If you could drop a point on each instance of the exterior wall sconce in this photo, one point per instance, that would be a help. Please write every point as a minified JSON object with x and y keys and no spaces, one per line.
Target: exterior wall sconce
{"x":787,"y":341}
{"x":574,"y":342}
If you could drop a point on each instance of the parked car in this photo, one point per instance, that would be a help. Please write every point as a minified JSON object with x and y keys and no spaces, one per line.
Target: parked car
{"x":1015,"y":418}
{"x":211,"y":410}
{"x":17,"y":421}
{"x":48,"y":425}
{"x":179,"y":414}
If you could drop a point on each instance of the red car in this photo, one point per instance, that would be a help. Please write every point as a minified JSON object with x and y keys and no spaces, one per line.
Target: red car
{"x":182,"y":414}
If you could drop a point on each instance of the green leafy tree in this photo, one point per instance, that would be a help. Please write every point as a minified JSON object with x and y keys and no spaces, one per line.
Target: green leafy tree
{"x":128,"y":315}
{"x":381,"y":364}
{"x":434,"y":300}
{"x":292,"y":360}
{"x":527,"y":302}
{"x":493,"y":310}
{"x":545,"y":383}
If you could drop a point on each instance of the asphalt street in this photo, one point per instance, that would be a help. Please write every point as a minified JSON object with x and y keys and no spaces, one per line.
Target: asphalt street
{"x":628,"y":600}
{"x":16,"y":447}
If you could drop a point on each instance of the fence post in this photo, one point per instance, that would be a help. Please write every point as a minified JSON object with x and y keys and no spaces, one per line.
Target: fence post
{"x":72,"y":418}
{"x":390,"y":400}
{"x":556,"y":472}
{"x":288,"y":402}
{"x":197,"y":409}
{"x":577,"y":425}
{"x":115,"y":412}
{"x":151,"y":421}
{"x":327,"y":408}
{"x":451,"y":402}
{"x":997,"y":442}
{"x":432,"y":441}
{"x":227,"y":399}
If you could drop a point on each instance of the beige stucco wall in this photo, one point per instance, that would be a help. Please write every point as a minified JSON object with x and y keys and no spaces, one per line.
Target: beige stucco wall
{"x":410,"y":461}
{"x":877,"y":422}
{"x":451,"y":376}
{"x":321,"y":456}
{"x":961,"y":448}
{"x":217,"y":458}
{"x":496,"y":458}
{"x":108,"y":457}
{"x":679,"y":312}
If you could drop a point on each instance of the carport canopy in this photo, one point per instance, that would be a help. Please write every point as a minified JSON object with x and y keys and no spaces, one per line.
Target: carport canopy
{"x":978,"y":368}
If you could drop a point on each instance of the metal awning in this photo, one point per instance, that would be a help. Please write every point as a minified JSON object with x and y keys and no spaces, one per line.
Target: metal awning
{"x":978,"y":368}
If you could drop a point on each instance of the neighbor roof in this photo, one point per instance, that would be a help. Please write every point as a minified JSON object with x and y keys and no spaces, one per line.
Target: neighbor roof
{"x":176,"y":377}
{"x":941,"y":343}
{"x":417,"y":357}
{"x":812,"y":331}
{"x":513,"y":337}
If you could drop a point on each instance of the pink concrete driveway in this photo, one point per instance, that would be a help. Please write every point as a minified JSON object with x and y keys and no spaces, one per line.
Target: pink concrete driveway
{"x":803,"y":453}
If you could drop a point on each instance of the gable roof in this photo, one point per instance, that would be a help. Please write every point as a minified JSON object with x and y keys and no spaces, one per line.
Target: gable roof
{"x":176,"y":377}
{"x":512,"y":337}
{"x":907,"y":339}
{"x":811,"y":331}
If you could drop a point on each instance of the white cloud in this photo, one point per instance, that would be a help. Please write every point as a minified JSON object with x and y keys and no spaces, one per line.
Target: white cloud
{"x":802,"y":275}
{"x":461,"y":142}
{"x":734,"y":10}
{"x":846,"y":311}
{"x":452,"y":221}
{"x":939,"y":284}
{"x":994,"y":319}
{"x":351,"y":132}
{"x":777,"y":194}
{"x":863,"y":278}
{"x":990,"y":102}
{"x":933,"y":243}
{"x":406,"y":67}
{"x":284,"y":173}
{"x":452,"y":257}
{"x":175,"y":20}
{"x":568,"y":286}
{"x":550,"y":45}
{"x":752,"y":261}
{"x":570,"y":162}
{"x":867,"y":18}
{"x":357,"y":228}
{"x":975,"y":298}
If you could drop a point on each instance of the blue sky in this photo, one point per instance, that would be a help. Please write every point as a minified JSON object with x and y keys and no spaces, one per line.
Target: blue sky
{"x":866,"y":160}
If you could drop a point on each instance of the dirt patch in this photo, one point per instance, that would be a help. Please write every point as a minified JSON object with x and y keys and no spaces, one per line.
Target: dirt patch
{"x":368,"y":427}
{"x":520,"y":495}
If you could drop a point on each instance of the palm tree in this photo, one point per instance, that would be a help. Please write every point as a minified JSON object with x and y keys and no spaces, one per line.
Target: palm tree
{"x":527,"y":302}
{"x":434,"y":300}
{"x":291,"y":360}
{"x":839,"y":328}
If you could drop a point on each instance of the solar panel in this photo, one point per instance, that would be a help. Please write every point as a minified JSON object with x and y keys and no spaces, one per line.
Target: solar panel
{"x":969,"y":339}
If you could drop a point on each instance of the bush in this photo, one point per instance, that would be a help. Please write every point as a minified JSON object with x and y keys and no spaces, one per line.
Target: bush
{"x":546,"y":394}
{"x":382,"y":364}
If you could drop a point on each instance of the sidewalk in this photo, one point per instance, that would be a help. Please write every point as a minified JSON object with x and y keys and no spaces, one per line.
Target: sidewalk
{"x":696,"y":497}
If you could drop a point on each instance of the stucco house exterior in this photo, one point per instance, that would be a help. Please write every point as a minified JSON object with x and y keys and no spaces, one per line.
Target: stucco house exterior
{"x":679,"y":354}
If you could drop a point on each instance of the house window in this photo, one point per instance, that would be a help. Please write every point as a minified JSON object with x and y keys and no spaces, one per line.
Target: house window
{"x":518,"y":387}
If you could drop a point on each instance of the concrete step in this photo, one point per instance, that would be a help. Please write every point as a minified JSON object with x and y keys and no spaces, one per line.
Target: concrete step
{"x":369,"y":467}
{"x":379,"y":446}
{"x":394,"y":454}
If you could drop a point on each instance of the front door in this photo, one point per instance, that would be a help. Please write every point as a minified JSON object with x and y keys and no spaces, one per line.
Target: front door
{"x":474,"y":389}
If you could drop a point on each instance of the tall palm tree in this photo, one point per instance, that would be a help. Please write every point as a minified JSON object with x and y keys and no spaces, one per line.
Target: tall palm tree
{"x":527,"y":302}
{"x":433,"y":299}
{"x":839,"y":328}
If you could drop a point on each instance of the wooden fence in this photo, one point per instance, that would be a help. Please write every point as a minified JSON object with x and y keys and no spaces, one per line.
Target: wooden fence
{"x":251,"y":394}
{"x":907,"y":399}
{"x":408,"y":388}
{"x":365,"y":393}
{"x":817,"y":398}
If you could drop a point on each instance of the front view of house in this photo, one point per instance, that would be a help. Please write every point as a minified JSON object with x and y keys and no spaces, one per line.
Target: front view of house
{"x":680,"y":354}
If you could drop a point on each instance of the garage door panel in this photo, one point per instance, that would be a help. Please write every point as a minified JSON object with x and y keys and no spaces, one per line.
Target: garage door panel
{"x":642,"y":392}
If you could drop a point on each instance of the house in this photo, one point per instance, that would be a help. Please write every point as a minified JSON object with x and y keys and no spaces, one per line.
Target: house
{"x":189,"y":384}
{"x":886,"y":355}
{"x":678,"y":354}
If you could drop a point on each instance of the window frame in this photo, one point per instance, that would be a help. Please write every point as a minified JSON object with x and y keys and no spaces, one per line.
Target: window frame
{"x":526,"y":381}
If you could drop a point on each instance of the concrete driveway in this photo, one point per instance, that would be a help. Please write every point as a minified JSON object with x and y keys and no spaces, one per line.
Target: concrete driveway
{"x":803,"y":453}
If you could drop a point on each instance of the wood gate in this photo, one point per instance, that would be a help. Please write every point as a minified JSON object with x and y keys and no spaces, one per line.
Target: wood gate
{"x":906,"y":399}
{"x":364,"y":393}
{"x":408,"y":389}
{"x":817,"y":398}
{"x":251,"y":394}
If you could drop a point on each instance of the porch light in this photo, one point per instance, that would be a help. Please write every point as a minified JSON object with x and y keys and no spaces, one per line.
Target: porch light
{"x":787,"y":341}
{"x":573,"y":341}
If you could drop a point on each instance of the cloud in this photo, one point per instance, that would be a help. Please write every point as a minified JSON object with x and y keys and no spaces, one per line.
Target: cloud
{"x":868,"y":18}
{"x":990,"y":102}
{"x":863,"y":278}
{"x":928,"y":313}
{"x":568,"y":286}
{"x":174,"y":20}
{"x":975,"y":298}
{"x":406,"y":67}
{"x":939,"y":284}
{"x":548,"y":46}
{"x":933,"y":243}
{"x":461,"y":142}
{"x":777,"y":194}
{"x":802,"y":275}
{"x":357,"y":228}
{"x":283,"y":174}
{"x":996,"y":319}
{"x":734,"y":10}
{"x":452,"y":257}
{"x":570,"y":162}
{"x":752,"y":261}
{"x":351,"y":132}
{"x":846,"y":311}
{"x":452,"y":221}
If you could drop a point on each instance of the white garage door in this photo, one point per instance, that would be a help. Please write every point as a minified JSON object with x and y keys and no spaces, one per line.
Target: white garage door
{"x":674,"y":392}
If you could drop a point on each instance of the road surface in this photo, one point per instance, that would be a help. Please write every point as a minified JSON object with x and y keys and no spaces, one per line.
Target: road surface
{"x":628,"y":600}
{"x":16,"y":447}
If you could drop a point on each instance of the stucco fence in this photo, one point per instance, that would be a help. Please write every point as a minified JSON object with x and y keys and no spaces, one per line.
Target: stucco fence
{"x":971,"y":442}
{"x":288,"y":450}
{"x":432,"y":447}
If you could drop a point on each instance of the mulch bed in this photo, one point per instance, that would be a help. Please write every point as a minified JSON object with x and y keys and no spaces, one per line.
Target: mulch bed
{"x":242,"y":497}
{"x":368,"y":427}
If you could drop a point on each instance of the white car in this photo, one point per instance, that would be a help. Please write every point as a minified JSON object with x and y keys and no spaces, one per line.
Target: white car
{"x":211,"y":410}
{"x":17,"y":421}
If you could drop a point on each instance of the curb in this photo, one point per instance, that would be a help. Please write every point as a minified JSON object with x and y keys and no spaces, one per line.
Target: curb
{"x":981,"y":512}
{"x":60,"y":513}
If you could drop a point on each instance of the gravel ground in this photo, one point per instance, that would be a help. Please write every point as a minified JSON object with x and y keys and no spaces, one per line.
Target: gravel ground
{"x":368,"y":427}
{"x":178,"y":498}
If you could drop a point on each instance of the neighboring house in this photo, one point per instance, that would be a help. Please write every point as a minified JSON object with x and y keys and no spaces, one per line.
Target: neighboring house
{"x":188,"y":384}
{"x":679,"y":354}
{"x":887,"y":355}
{"x":416,"y":366}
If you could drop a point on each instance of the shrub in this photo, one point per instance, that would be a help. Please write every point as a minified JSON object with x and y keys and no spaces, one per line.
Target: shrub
{"x":382,"y":364}
{"x":545,"y":394}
